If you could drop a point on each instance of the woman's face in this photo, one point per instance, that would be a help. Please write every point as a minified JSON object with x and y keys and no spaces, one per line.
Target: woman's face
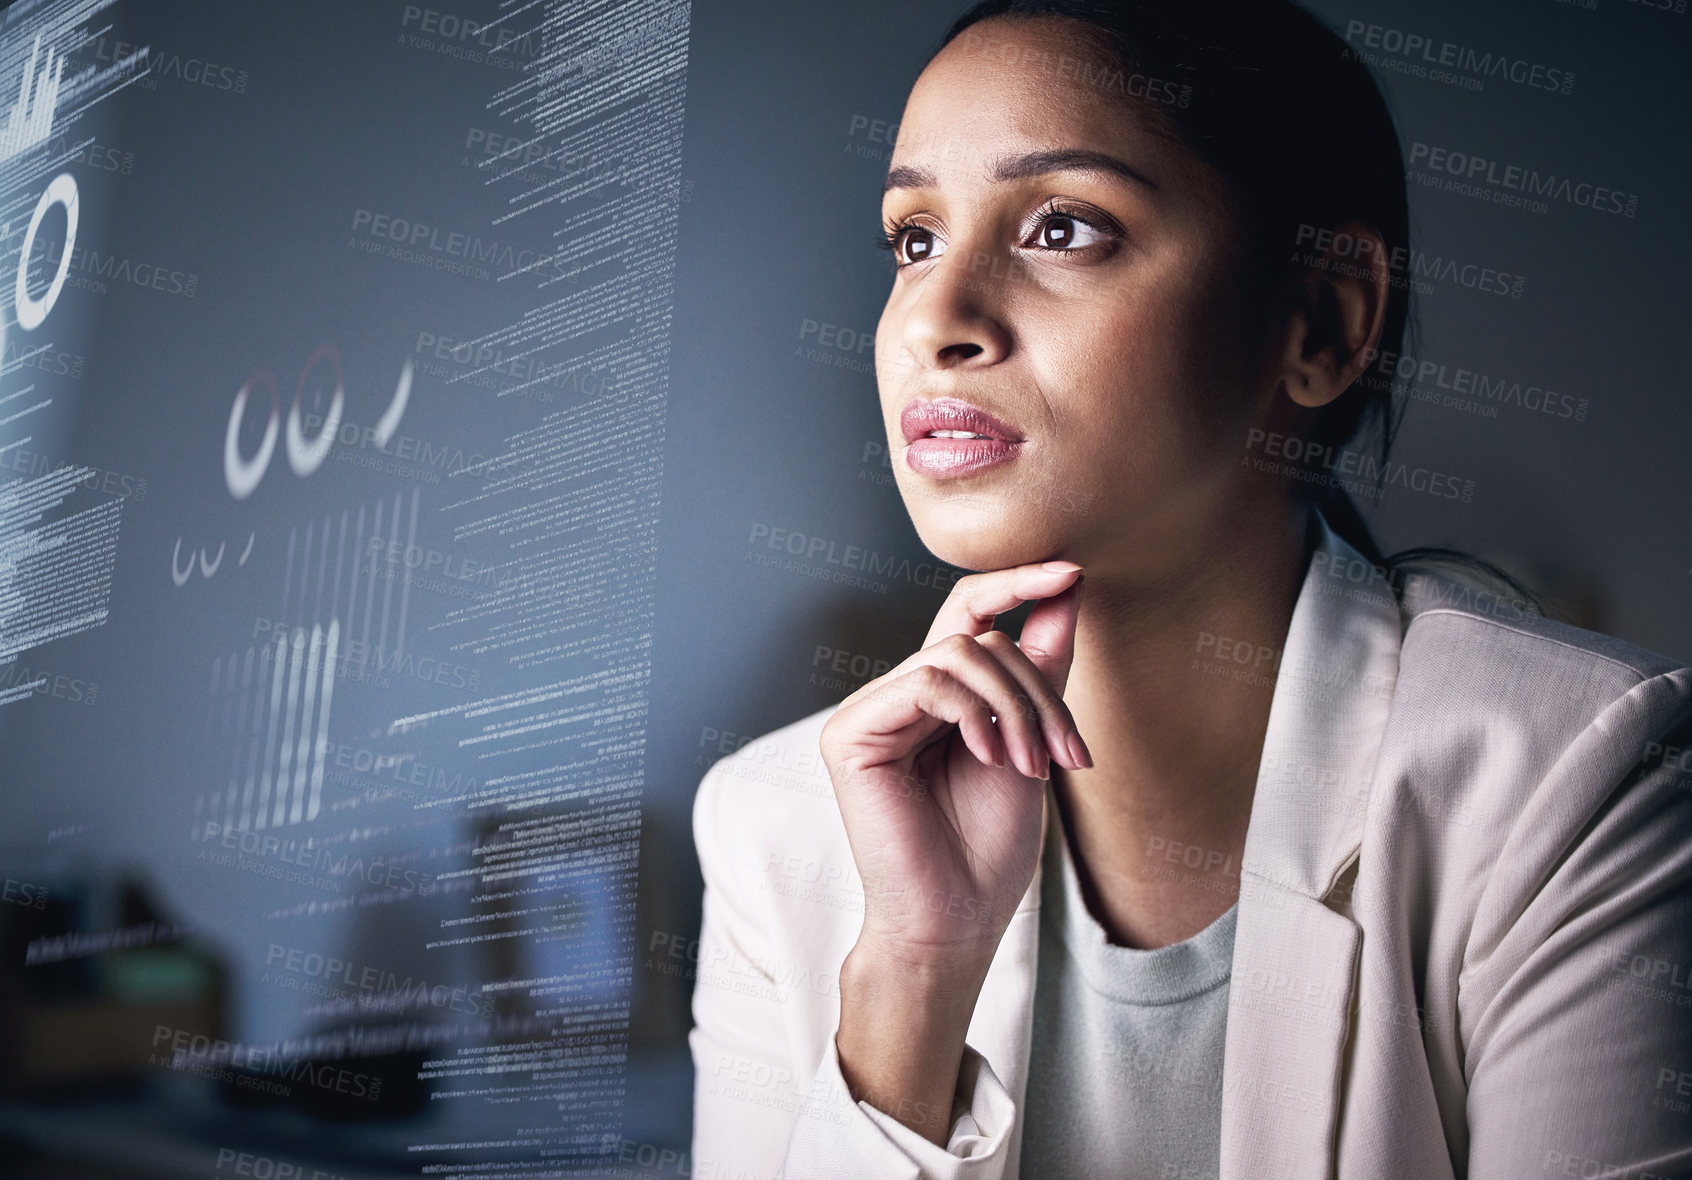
{"x":1085,"y":282}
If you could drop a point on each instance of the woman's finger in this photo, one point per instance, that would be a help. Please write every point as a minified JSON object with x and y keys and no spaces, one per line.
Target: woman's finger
{"x":1017,"y":710}
{"x":1047,"y":709}
{"x":1048,"y":635}
{"x":976,"y":600}
{"x":893,"y":719}
{"x":1032,"y":717}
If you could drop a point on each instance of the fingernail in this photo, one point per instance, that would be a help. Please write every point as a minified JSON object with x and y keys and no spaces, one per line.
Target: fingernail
{"x":1059,"y":567}
{"x":1078,"y":751}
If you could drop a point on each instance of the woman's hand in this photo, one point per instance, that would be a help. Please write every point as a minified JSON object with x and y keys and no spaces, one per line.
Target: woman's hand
{"x":938,"y":768}
{"x":938,"y":765}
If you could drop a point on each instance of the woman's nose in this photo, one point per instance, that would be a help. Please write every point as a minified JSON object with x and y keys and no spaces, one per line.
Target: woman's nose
{"x":954,"y":318}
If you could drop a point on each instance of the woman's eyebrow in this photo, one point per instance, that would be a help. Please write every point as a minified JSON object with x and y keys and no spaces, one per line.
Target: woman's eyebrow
{"x":905,"y":176}
{"x":1026,"y":165}
{"x":1065,"y":160}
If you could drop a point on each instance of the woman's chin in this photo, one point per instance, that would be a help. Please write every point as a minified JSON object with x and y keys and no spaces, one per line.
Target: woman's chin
{"x":985,"y":549}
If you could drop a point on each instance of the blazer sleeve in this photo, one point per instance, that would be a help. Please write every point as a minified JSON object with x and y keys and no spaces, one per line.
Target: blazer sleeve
{"x":1576,"y":994}
{"x":759,"y":1110}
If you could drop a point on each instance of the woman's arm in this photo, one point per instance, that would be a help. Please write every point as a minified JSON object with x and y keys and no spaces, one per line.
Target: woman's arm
{"x":902,"y":1028}
{"x":759,"y":1112}
{"x":937,"y":769}
{"x":1576,"y":997}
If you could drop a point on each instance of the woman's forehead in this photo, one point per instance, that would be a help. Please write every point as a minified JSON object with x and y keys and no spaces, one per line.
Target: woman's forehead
{"x":1018,"y":88}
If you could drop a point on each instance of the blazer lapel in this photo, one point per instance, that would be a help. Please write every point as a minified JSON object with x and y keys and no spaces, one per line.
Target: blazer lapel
{"x":1295,"y":957}
{"x":1289,"y":1012}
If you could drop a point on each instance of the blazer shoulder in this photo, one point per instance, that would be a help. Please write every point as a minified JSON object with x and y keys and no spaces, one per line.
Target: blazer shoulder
{"x":1443,"y":611}
{"x":768,"y":801}
{"x":1500,"y":654}
{"x":1499,"y":722}
{"x":1540,"y":776}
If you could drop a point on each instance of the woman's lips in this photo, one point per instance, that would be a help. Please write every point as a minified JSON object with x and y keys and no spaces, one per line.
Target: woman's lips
{"x":985,"y":441}
{"x":950,"y":458}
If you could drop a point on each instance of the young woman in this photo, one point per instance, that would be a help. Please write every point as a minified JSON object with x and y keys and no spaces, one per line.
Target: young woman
{"x":1252,"y":856}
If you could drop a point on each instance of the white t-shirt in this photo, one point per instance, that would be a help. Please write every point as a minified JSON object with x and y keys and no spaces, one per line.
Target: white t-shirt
{"x":1125,"y":1078}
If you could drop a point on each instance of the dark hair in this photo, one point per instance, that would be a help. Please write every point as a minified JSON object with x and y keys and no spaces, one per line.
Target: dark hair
{"x":1294,"y":121}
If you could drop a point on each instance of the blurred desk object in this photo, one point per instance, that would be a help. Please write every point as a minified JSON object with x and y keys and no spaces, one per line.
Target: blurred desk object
{"x":85,"y":984}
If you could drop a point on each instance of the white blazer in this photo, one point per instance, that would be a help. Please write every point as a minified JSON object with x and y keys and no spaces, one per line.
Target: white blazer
{"x":1464,"y":942}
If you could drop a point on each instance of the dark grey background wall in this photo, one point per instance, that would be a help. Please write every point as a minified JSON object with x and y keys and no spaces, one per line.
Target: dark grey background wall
{"x":771,"y":423}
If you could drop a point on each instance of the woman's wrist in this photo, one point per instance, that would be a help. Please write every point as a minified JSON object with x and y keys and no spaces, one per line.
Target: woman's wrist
{"x":904,"y":1017}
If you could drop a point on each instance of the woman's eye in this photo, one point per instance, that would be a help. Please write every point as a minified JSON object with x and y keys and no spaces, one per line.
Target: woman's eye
{"x":916,"y":244}
{"x":1059,"y":231}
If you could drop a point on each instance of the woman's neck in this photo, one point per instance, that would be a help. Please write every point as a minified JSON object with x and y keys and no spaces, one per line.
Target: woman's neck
{"x":1171,"y":689}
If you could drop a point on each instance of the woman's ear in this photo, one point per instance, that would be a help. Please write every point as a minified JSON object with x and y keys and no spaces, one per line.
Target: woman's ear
{"x":1335,"y":321}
